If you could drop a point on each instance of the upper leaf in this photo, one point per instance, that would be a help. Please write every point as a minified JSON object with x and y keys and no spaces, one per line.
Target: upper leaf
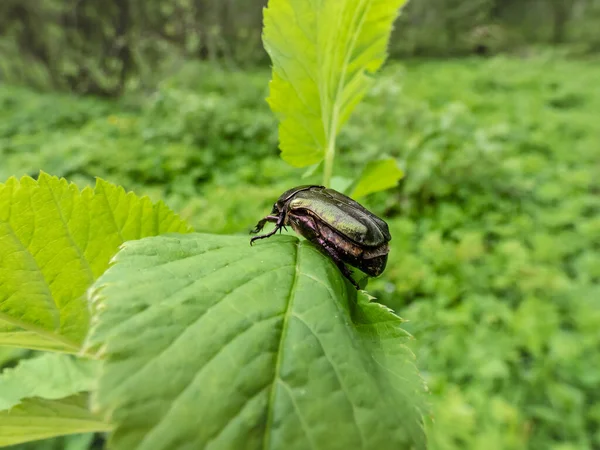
{"x":322,"y":54}
{"x":210,"y":343}
{"x":54,"y":242}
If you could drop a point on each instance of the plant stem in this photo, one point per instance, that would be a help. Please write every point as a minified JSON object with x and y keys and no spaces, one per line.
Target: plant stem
{"x":330,"y":152}
{"x":328,"y":166}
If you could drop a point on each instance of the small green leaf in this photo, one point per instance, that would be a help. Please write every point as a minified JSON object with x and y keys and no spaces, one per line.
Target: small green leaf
{"x":50,"y":376}
{"x":378,"y":176}
{"x":36,"y":418}
{"x":322,"y":53}
{"x":211,"y":343}
{"x":54,"y":242}
{"x":41,"y":398}
{"x":341,"y":184}
{"x":79,"y":441}
{"x":9,"y":354}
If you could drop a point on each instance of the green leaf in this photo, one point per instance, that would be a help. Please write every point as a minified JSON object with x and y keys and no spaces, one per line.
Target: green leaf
{"x":50,"y":376}
{"x":54,"y":242}
{"x":378,"y":176}
{"x":81,"y":441}
{"x":8,"y":355}
{"x":341,"y":184}
{"x":35,"y":419}
{"x":323,"y":54}
{"x":13,"y":336}
{"x":40,"y":398}
{"x":211,"y":343}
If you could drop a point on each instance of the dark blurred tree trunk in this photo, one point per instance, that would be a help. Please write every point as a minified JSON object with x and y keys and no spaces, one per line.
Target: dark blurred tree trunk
{"x":561,"y":12}
{"x":96,"y":46}
{"x":123,"y":52}
{"x":29,"y":39}
{"x":228,"y":25}
{"x":202,"y":13}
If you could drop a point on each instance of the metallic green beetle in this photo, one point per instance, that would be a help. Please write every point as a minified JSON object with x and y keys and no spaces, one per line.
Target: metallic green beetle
{"x":339,"y":226}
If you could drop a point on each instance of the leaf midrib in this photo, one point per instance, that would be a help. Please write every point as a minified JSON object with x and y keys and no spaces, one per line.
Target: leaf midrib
{"x":75,"y":348}
{"x":331,"y":110}
{"x":70,"y":237}
{"x":48,"y":293}
{"x":284,"y":327}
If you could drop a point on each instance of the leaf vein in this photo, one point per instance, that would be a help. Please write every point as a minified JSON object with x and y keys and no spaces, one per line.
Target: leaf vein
{"x":69,"y":235}
{"x":99,"y":187}
{"x":304,"y":425}
{"x":198,"y":320}
{"x":337,"y":375}
{"x":48,"y":293}
{"x":180,"y":395}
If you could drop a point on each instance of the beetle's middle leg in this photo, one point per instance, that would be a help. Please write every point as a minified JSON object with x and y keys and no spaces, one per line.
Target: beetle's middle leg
{"x":309,"y":229}
{"x":260,"y":225}
{"x":338,"y":261}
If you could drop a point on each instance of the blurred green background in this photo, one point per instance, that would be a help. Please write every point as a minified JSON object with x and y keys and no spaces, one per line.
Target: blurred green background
{"x":492,"y":107}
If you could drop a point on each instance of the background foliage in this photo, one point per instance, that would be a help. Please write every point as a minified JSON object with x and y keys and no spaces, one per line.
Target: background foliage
{"x":496,"y":225}
{"x":99,"y":48}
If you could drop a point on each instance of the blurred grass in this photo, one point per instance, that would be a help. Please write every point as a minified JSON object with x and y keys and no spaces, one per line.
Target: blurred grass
{"x":496,"y":228}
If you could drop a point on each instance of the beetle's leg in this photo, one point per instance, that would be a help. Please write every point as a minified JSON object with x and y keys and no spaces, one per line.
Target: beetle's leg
{"x":336,"y":259}
{"x":263,"y":236}
{"x":261,"y":224}
{"x":346,"y":272}
{"x":278,"y":224}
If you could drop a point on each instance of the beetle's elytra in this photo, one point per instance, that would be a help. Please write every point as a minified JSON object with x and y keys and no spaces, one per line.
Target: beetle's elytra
{"x":338,"y":225}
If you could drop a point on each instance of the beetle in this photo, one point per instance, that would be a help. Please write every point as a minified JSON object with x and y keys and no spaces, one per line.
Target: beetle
{"x":341,"y":227}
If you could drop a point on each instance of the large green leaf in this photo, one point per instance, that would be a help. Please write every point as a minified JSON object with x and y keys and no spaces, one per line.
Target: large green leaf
{"x":210,"y":343}
{"x":40,"y":419}
{"x":55,"y":240}
{"x":322,"y":54}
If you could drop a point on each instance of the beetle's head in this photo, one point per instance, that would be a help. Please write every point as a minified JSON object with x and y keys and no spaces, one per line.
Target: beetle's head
{"x":277,"y":208}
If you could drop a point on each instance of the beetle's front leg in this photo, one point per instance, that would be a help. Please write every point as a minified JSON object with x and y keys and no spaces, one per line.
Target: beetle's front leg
{"x":260,"y":225}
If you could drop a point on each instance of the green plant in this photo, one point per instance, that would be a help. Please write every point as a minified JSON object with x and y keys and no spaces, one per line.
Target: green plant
{"x":314,"y":94}
{"x":180,"y":339}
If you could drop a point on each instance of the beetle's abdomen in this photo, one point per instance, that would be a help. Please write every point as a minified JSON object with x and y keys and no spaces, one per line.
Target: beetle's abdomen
{"x":374,"y":266}
{"x":371,"y":260}
{"x":356,"y":224}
